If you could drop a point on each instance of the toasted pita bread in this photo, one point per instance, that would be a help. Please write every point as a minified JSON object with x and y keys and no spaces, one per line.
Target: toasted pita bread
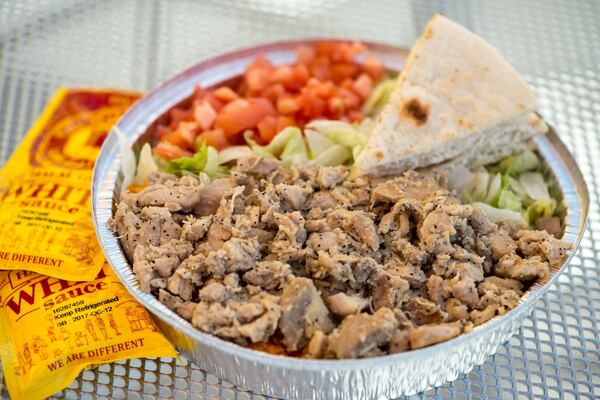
{"x":456,"y":98}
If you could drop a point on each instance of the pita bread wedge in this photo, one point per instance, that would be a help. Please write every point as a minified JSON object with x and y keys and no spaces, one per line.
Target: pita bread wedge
{"x":456,"y":99}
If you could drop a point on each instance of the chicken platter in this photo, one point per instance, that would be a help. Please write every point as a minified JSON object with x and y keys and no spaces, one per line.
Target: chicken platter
{"x":345,"y":213}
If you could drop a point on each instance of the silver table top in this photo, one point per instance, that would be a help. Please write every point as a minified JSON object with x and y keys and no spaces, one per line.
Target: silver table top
{"x":136,"y":44}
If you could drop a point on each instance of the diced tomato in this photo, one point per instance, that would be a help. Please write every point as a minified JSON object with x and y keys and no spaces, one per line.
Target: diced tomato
{"x":238,"y":139}
{"x":184,"y":135}
{"x":363,"y":85}
{"x":357,"y":48}
{"x":335,"y":55}
{"x":283,"y":122}
{"x":215,"y":138}
{"x":301,"y":75}
{"x":320,"y":69}
{"x":335,"y":105}
{"x":287,"y":105}
{"x":168,"y":151}
{"x":373,"y":67}
{"x":163,"y":131}
{"x":198,"y":92}
{"x":225,"y":94}
{"x":355,"y":115}
{"x":243,"y":114}
{"x":257,"y":75}
{"x":201,"y":95}
{"x":347,"y":84}
{"x":305,"y":54}
{"x":304,"y":100}
{"x":261,"y":62}
{"x":204,"y":115}
{"x":342,"y":52}
{"x":267,"y":128}
{"x":256,"y":80}
{"x":341,"y":71}
{"x":324,"y":48}
{"x":176,"y":115}
{"x":312,"y":106}
{"x":349,"y":98}
{"x":272,"y":92}
{"x":215,"y":103}
{"x":326,"y":81}
{"x":320,"y":72}
{"x":312,"y":83}
{"x":241,"y":88}
{"x":283,"y":74}
{"x":325,"y":89}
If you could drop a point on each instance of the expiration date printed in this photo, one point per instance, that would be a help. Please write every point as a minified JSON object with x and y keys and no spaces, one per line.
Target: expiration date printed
{"x":90,"y":314}
{"x":44,"y":226}
{"x":83,"y":316}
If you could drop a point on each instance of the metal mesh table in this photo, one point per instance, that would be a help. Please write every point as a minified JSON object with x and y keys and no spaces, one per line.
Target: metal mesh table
{"x":137,"y":43}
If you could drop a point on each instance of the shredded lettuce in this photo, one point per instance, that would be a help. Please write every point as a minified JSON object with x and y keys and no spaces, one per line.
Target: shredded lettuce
{"x":494,"y":189}
{"x":514,"y":184}
{"x":509,"y":200}
{"x":281,"y":140}
{"x":324,"y":151}
{"x":333,"y":156}
{"x":352,"y":137}
{"x":288,"y":146}
{"x":534,"y":186}
{"x":146,"y":165}
{"x":356,"y":150}
{"x":324,"y":142}
{"x":339,"y":132}
{"x":366,"y":126}
{"x":500,"y":215}
{"x":194,"y":164}
{"x":540,"y":209}
{"x":234,"y":153}
{"x":477,"y":188}
{"x":317,"y":143}
{"x":517,"y":164}
{"x":205,"y":161}
{"x":257,"y":149}
{"x":273,"y":149}
{"x":295,"y":151}
{"x":379,"y":97}
{"x":204,"y":178}
{"x":211,"y":168}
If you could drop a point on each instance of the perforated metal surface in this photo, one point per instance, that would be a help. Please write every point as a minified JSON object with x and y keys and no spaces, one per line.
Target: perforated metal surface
{"x":136,"y":44}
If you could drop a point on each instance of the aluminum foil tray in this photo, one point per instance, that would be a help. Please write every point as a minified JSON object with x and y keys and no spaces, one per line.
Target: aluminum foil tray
{"x":388,"y":376}
{"x":45,"y":44}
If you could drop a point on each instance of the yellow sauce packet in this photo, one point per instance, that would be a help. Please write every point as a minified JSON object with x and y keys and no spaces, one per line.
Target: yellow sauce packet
{"x":51,"y":329}
{"x":62,"y":309}
{"x":45,"y":223}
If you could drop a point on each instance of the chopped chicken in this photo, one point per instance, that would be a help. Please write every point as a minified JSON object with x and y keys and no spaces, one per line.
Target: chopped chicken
{"x":361,"y":335}
{"x":334,"y":267}
{"x":343,"y":305}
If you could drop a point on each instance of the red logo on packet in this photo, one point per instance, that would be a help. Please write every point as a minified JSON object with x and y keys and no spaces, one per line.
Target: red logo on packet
{"x":73,"y":136}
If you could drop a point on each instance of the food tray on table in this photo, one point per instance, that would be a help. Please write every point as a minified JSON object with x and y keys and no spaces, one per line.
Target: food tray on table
{"x":555,"y":353}
{"x":297,"y":378}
